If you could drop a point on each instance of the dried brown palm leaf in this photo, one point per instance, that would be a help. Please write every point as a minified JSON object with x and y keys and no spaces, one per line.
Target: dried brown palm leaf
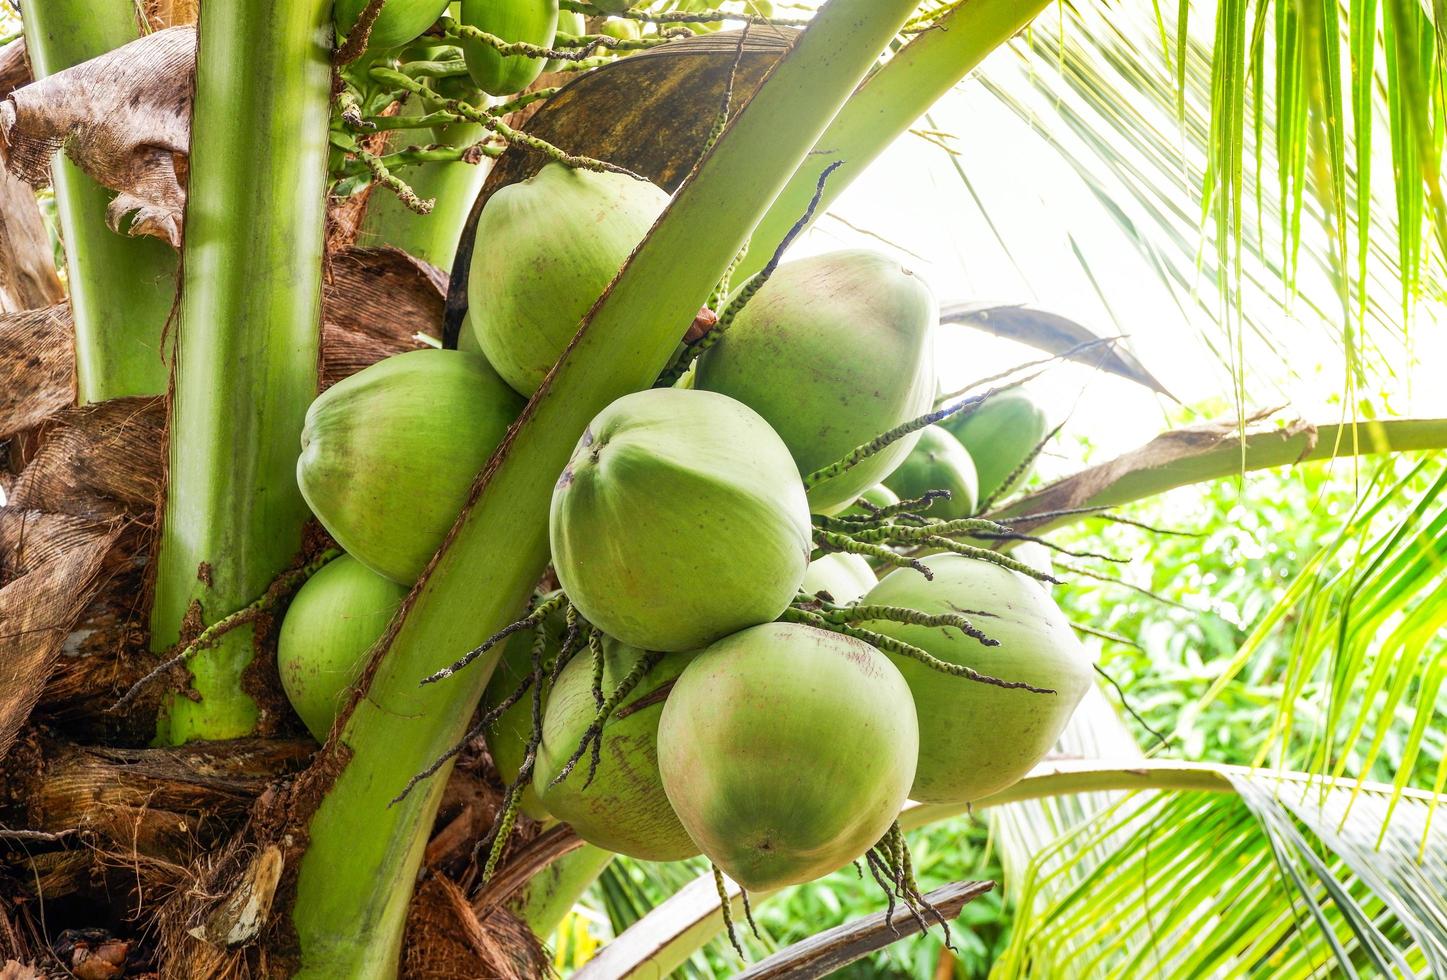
{"x":37,"y":365}
{"x":124,"y":118}
{"x":28,"y":279}
{"x":27,"y":265}
{"x":376,"y":301}
{"x":171,"y":13}
{"x":100,"y":461}
{"x":445,"y":941}
{"x":56,"y":563}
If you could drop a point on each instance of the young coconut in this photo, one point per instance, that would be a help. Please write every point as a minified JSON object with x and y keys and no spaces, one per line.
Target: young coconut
{"x":547,"y":248}
{"x":399,"y":22}
{"x":679,"y":519}
{"x":845,"y":577}
{"x":832,"y":351}
{"x":528,"y":21}
{"x":507,"y":738}
{"x":975,"y":738}
{"x":331,"y":624}
{"x":389,"y":454}
{"x":938,"y":462}
{"x":1001,"y":436}
{"x":623,"y":808}
{"x":787,"y":752}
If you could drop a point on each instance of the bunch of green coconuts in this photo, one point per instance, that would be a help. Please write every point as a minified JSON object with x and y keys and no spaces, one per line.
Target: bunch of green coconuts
{"x":712,"y":675}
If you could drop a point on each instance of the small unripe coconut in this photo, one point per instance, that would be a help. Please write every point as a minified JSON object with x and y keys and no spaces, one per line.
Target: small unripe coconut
{"x":330,"y":626}
{"x":977,"y":739}
{"x":938,"y":462}
{"x":389,"y":455}
{"x":624,"y":808}
{"x":832,"y":351}
{"x":845,"y":577}
{"x":679,"y":519}
{"x":623,"y":30}
{"x":399,"y":22}
{"x":507,"y":738}
{"x":787,"y":752}
{"x":547,"y":247}
{"x":527,"y":21}
{"x":1000,"y":435}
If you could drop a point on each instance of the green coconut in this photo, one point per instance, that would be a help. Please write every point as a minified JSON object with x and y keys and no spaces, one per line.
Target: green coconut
{"x":507,"y":738}
{"x":833,"y":351}
{"x":399,"y":22}
{"x":1000,"y":436}
{"x":526,"y":21}
{"x":938,"y":462}
{"x":624,"y":808}
{"x":977,"y":739}
{"x":547,"y":247}
{"x":787,"y":752}
{"x":389,"y":455}
{"x":845,"y":577}
{"x":679,"y":519}
{"x":331,"y":624}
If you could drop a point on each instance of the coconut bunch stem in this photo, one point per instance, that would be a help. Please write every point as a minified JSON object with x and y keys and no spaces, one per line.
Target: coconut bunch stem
{"x":890,"y":865}
{"x":756,"y":282}
{"x":861,"y":613}
{"x":566,"y":48}
{"x":888,"y":644}
{"x":683,"y":16}
{"x":282,"y":588}
{"x":532,"y":620}
{"x":593,"y":735}
{"x":877,"y":539}
{"x":507,"y":814}
{"x":491,"y":119}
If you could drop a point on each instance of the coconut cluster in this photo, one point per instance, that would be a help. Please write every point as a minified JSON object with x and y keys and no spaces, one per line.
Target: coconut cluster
{"x":724,"y":670}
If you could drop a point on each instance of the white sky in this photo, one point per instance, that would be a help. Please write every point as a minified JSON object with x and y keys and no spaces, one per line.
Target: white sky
{"x":913,"y":197}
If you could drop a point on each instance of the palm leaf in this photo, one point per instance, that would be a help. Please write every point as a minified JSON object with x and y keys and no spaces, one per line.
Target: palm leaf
{"x":1174,"y":145}
{"x":1368,"y":614}
{"x":1130,"y":867}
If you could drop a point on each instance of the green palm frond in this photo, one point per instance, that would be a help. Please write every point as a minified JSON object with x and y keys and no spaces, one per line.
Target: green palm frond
{"x":1261,"y":873}
{"x":1267,"y":880}
{"x":1237,"y":148}
{"x":1367,"y":643}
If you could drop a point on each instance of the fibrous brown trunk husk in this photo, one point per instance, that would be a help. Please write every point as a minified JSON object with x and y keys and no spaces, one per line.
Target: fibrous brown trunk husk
{"x":124,"y":118}
{"x":28,"y":279}
{"x":139,"y":830}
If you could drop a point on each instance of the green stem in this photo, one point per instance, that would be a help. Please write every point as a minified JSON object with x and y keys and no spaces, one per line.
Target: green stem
{"x":452,"y":185}
{"x":247,"y":338}
{"x":355,"y":878}
{"x":887,"y":105}
{"x":121,"y":288}
{"x":1177,"y":460}
{"x":696,"y":916}
{"x":549,"y":895}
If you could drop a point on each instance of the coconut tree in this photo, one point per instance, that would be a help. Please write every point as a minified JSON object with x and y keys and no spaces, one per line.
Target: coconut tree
{"x":254,"y":207}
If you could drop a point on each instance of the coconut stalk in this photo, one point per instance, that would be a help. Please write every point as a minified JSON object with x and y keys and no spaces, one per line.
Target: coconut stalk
{"x":247,"y":340}
{"x":552,"y":893}
{"x":356,"y":876}
{"x":886,"y":106}
{"x":452,"y":185}
{"x":121,"y":288}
